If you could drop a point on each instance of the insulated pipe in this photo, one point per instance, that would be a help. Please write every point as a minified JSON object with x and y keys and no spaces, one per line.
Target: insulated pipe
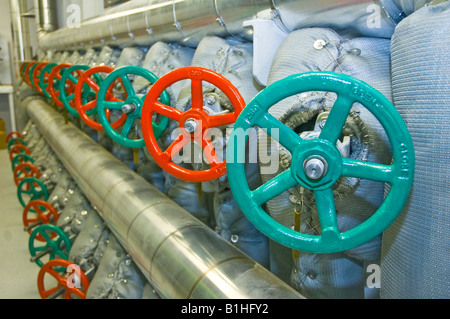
{"x":189,"y":21}
{"x":181,"y":257}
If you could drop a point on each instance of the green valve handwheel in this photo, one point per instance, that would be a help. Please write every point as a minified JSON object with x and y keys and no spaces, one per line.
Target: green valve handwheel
{"x":15,"y":141}
{"x":131,"y":106}
{"x":317,"y":164}
{"x":21,"y":158}
{"x":69,"y":79}
{"x":43,"y":78}
{"x":56,"y":244}
{"x":30,"y":74}
{"x":30,"y":189}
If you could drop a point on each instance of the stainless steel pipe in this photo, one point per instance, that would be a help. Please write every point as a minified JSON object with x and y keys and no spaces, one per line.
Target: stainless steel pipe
{"x":181,"y":257}
{"x":188,"y":21}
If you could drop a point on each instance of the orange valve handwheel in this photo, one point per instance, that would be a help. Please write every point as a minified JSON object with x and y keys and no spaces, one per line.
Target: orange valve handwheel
{"x":89,"y":109}
{"x":27,"y":73}
{"x":18,"y":149}
{"x":53,"y":83}
{"x":194,"y":123}
{"x":12,"y":135}
{"x":39,"y":212}
{"x":36,"y":76}
{"x":23,"y":66}
{"x":16,"y":141}
{"x":25,"y":170}
{"x":73,"y":283}
{"x":19,"y":159}
{"x":44,"y":77}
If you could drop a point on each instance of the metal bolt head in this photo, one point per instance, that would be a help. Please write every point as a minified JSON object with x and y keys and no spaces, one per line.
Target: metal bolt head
{"x":210,"y":100}
{"x":315,"y":168}
{"x":319,"y":44}
{"x":191,"y":126}
{"x":128,"y":108}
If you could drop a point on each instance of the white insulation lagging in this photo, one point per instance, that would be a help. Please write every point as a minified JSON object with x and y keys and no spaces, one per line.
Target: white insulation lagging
{"x":89,"y":58}
{"x":117,"y":276}
{"x":64,"y":188}
{"x":160,"y":59}
{"x":107,"y":56}
{"x":339,"y":275}
{"x":416,"y":247}
{"x":232,"y":59}
{"x":90,"y":242}
{"x":74,"y":214}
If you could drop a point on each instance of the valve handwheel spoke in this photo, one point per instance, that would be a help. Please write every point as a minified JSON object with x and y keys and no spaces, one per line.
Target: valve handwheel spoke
{"x":131,"y":107}
{"x":194,"y":123}
{"x":317,"y":163}
{"x":25,"y":170}
{"x":64,"y":286}
{"x":39,"y":212}
{"x":87,"y":110}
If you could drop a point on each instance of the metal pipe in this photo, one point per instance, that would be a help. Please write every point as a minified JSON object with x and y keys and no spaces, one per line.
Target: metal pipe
{"x":180,"y":256}
{"x":22,"y":47}
{"x":188,"y":21}
{"x":46,"y":17}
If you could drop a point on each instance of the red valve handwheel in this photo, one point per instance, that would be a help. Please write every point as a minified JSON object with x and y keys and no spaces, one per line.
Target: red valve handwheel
{"x":18,"y":149}
{"x":42,"y":212}
{"x":63,"y":280}
{"x":25,"y":170}
{"x":83,"y":109}
{"x":53,"y":88}
{"x":22,"y":68}
{"x":27,"y":73}
{"x":196,"y":114}
{"x":36,"y":73}
{"x":12,"y":135}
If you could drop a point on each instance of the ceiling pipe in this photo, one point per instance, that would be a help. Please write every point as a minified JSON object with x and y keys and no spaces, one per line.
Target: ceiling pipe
{"x":188,"y":21}
{"x":46,"y":16}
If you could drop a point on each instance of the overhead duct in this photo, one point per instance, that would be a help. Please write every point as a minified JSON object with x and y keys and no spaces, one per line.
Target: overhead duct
{"x":181,"y":257}
{"x":188,"y":21}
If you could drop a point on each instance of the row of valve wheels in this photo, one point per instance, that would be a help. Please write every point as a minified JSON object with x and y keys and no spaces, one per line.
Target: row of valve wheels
{"x":49,"y":246}
{"x":92,"y":95}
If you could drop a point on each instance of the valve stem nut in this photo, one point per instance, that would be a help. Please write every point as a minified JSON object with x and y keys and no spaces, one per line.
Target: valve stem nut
{"x":315,"y":167}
